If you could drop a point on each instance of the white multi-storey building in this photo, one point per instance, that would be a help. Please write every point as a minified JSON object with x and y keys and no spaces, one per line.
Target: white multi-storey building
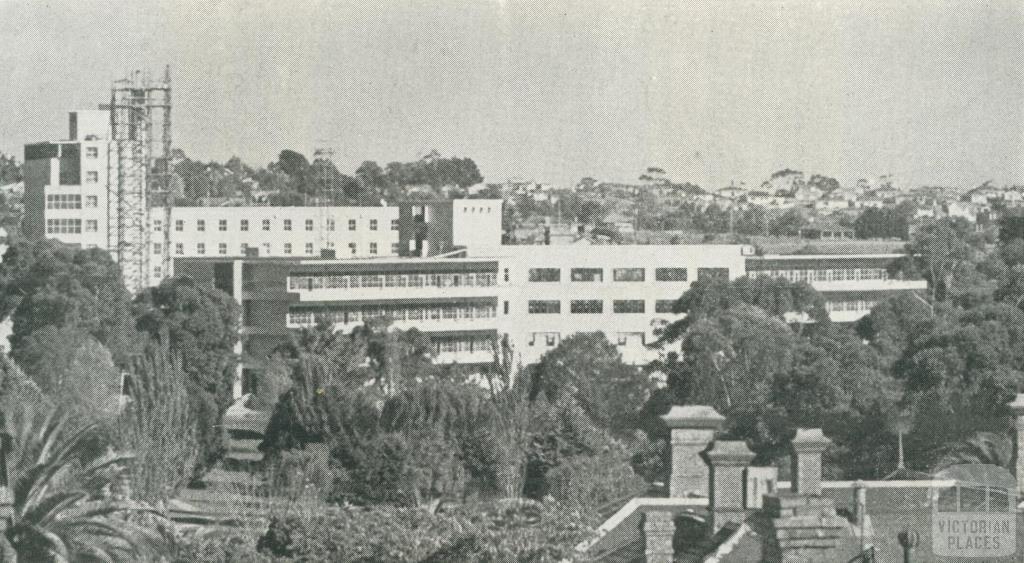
{"x":66,"y":183}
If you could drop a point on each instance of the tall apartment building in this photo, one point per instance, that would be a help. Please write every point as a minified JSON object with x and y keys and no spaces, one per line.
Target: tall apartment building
{"x":66,"y":182}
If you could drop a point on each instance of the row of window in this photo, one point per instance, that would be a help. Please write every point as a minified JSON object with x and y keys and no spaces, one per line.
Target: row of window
{"x":850,"y":305}
{"x":267,"y":248}
{"x":596,"y":306}
{"x":71,"y":201}
{"x":394,"y":313}
{"x":243,"y":225}
{"x":624,"y":274}
{"x":829,"y":274}
{"x":550,"y":339}
{"x":324,"y":281}
{"x":70,"y":226}
{"x":452,"y":345}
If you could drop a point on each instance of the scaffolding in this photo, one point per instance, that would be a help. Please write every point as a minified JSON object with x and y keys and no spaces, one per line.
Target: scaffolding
{"x":140,"y":174}
{"x":326,"y":195}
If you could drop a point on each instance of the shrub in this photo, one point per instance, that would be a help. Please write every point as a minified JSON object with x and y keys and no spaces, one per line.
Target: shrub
{"x":505,"y":531}
{"x":305,"y":474}
{"x":588,"y":482}
{"x":218,"y":546}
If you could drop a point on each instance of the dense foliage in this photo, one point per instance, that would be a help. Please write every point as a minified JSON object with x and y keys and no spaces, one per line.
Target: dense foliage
{"x":200,"y":325}
{"x":505,"y":531}
{"x":49,"y":284}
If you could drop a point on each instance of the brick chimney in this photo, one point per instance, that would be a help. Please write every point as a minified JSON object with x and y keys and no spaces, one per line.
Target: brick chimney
{"x":1017,"y":406}
{"x":804,"y":524}
{"x":659,"y":528}
{"x":808,"y":445}
{"x":691,"y":428}
{"x":727,"y":460}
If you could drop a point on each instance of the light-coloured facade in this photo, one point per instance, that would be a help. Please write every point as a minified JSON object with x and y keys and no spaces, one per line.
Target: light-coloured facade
{"x":66,"y":181}
{"x":281,"y":232}
{"x":624,"y":291}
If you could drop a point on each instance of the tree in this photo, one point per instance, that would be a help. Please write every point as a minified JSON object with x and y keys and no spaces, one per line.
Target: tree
{"x":157,"y":425}
{"x":10,"y":170}
{"x":75,"y":370}
{"x":60,"y":510}
{"x":960,"y":375}
{"x":777,"y":297}
{"x":46,"y":283}
{"x":946,"y":253}
{"x":824,"y":183}
{"x":587,"y":367}
{"x":885,"y":223}
{"x":788,"y":223}
{"x":200,"y":325}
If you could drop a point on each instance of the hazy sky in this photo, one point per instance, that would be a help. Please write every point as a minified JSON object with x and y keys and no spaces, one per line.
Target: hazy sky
{"x":713,"y":92}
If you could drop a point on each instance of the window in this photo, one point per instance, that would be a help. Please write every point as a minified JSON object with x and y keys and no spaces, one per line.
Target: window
{"x":92,"y":177}
{"x":201,"y":225}
{"x":394,"y":224}
{"x":309,"y":248}
{"x":158,"y":225}
{"x":179,"y":248}
{"x":545,"y":307}
{"x":352,"y":247}
{"x":586,"y":306}
{"x":587,"y":275}
{"x":545,"y":274}
{"x":670,"y":274}
{"x":63,"y":226}
{"x":628,"y":274}
{"x":664,"y":305}
{"x":244,"y":249}
{"x":373,"y":224}
{"x":287,"y":224}
{"x":92,"y":202}
{"x":266,"y":224}
{"x":628,"y":305}
{"x":157,"y":272}
{"x":266,"y":249}
{"x":330,"y":224}
{"x":373,"y":248}
{"x":287,"y":248}
{"x":200,"y":248}
{"x":157,"y":247}
{"x":222,"y":248}
{"x":309,"y":224}
{"x":63,"y":201}
{"x":712,"y":273}
{"x":92,"y":152}
{"x":222,"y":225}
{"x":243,"y":225}
{"x":92,"y":226}
{"x":351,"y":224}
{"x":394,"y":248}
{"x":505,"y":308}
{"x":179,"y":225}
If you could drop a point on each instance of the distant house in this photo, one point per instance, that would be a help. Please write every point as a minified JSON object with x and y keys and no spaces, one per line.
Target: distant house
{"x":731,"y":192}
{"x":758,"y":197}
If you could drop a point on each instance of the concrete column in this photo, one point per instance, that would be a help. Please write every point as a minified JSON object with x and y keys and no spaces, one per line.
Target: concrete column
{"x":659,"y":528}
{"x":727,"y":461}
{"x":1017,"y":406}
{"x":691,"y":429}
{"x":808,"y":445}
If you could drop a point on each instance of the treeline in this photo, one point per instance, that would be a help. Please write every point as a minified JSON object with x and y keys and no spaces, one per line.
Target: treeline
{"x":293,"y":179}
{"x":76,"y":329}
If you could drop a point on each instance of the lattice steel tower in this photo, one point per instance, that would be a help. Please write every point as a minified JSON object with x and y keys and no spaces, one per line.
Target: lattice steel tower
{"x":140,"y":174}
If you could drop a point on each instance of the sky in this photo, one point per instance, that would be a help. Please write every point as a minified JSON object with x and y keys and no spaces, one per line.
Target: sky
{"x":713,"y":92}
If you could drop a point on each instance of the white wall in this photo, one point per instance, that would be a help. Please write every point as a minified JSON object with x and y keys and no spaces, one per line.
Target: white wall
{"x":637,"y":328}
{"x":322,"y":236}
